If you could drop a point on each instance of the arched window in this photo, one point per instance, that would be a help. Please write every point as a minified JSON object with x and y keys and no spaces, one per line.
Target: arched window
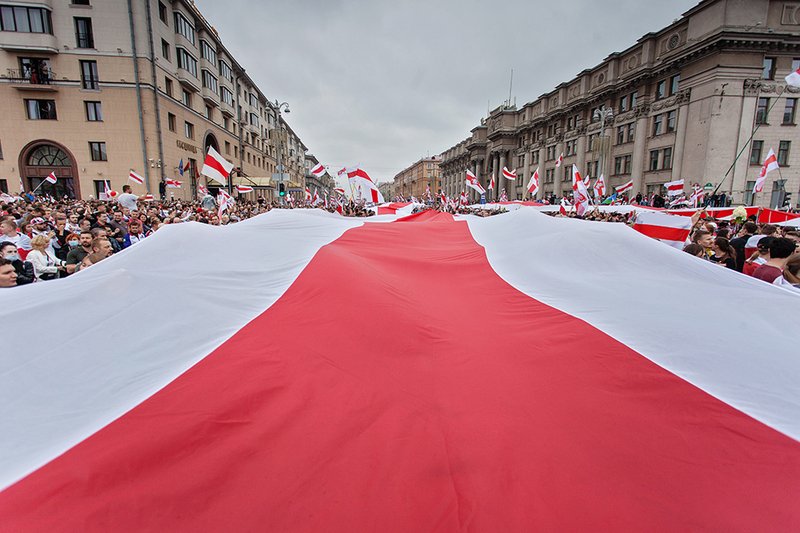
{"x":49,"y":156}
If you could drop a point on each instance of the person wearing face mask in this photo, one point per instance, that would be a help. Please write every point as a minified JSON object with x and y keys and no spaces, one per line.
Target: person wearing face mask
{"x":23,"y":269}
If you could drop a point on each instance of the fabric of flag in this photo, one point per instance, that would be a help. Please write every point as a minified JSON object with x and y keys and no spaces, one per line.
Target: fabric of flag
{"x":315,"y":200}
{"x":508,"y":174}
{"x":793,"y":79}
{"x":202,"y":190}
{"x":180,"y":167}
{"x":625,"y":187}
{"x":533,"y":184}
{"x":491,"y":185}
{"x":319,"y":170}
{"x":674,"y":188}
{"x":216,"y":167}
{"x":224,"y":201}
{"x":600,"y":186}
{"x":172,"y":184}
{"x":560,"y":160}
{"x":580,"y":193}
{"x":289,"y":410}
{"x":770,"y":164}
{"x":51,"y":178}
{"x":107,"y":191}
{"x":698,"y":194}
{"x":359,"y":179}
{"x":242,"y":189}
{"x":473,"y":183}
{"x":136,"y":178}
{"x":669,"y":229}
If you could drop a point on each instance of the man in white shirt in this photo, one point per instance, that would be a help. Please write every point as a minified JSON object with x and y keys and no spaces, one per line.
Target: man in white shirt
{"x":8,"y":232}
{"x":128,"y":200}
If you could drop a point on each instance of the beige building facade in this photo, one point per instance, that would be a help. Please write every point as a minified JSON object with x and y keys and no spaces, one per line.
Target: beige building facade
{"x":680,"y":103}
{"x":414,"y":180}
{"x":93,"y":90}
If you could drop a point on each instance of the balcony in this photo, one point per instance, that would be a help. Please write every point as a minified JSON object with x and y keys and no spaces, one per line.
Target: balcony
{"x":43,"y":43}
{"x":210,"y":96}
{"x":227,"y":110}
{"x":32,"y":80}
{"x":187,"y":80}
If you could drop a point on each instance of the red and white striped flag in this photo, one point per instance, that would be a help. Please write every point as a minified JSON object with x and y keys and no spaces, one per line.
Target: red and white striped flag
{"x":136,"y":178}
{"x":491,"y":183}
{"x":793,"y":79}
{"x":770,"y":164}
{"x":308,"y":194}
{"x":562,"y":207}
{"x":600,"y":186}
{"x":241,"y":189}
{"x":202,"y":190}
{"x":674,"y":188}
{"x":319,"y":170}
{"x":669,"y":229}
{"x":428,"y":191}
{"x":216,"y":167}
{"x":580,"y":193}
{"x":315,"y":200}
{"x":625,"y":187}
{"x":533,"y":184}
{"x":224,"y":201}
{"x":359,"y":178}
{"x":464,"y":197}
{"x":697,"y":195}
{"x":473,"y":183}
{"x":560,"y":160}
{"x":508,"y":174}
{"x":172,"y":184}
{"x":51,"y":178}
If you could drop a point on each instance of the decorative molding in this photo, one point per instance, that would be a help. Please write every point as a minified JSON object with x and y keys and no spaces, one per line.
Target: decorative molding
{"x":789,"y":15}
{"x":756,"y":87}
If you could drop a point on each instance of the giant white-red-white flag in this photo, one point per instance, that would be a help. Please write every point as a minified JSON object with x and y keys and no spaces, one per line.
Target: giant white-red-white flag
{"x":216,"y":167}
{"x":770,"y":164}
{"x":669,"y":229}
{"x":533,"y":184}
{"x":473,"y":183}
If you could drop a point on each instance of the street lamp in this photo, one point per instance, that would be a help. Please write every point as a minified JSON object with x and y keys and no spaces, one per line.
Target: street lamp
{"x":602,"y":114}
{"x":278,"y":107}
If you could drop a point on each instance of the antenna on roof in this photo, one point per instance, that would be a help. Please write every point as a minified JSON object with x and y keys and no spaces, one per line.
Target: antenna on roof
{"x":510,"y":86}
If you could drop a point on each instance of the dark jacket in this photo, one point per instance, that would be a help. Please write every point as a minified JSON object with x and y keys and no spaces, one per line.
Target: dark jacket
{"x":25,"y":272}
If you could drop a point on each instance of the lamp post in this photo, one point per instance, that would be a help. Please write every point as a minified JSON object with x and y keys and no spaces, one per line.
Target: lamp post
{"x":602,"y":114}
{"x":278,"y":108}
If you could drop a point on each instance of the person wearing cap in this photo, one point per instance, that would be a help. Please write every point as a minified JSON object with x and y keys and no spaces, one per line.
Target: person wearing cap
{"x":760,"y":257}
{"x":8,"y":276}
{"x":8,"y":232}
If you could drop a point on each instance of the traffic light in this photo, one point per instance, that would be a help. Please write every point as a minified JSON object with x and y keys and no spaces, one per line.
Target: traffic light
{"x":281,"y":189}
{"x":787,"y":199}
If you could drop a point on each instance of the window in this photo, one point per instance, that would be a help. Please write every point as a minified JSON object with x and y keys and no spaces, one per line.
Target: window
{"x":631,"y":131}
{"x":783,"y":153}
{"x":666,"y":160}
{"x":94,"y":111}
{"x":567,"y":173}
{"x":661,"y":89}
{"x":210,"y":82}
{"x":571,"y":147}
{"x":165,"y":50}
{"x":789,"y":111}
{"x":168,"y":86}
{"x":622,"y":165}
{"x":535,"y":157}
{"x":98,"y":151}
{"x":171,"y":121}
{"x":768,"y":70}
{"x":41,"y":109}
{"x":761,"y":110}
{"x":209,"y":113}
{"x":227,"y":148}
{"x":551,"y":130}
{"x":551,"y":153}
{"x":672,"y":117}
{"x":225,"y":70}
{"x":89,"y":77}
{"x":674,"y":82}
{"x":207,"y":52}
{"x":83,"y":33}
{"x":549,"y":175}
{"x":188,"y":130}
{"x":621,"y":134}
{"x":186,"y":98}
{"x":658,"y":125}
{"x":25,"y":19}
{"x":186,"y":61}
{"x":591,"y":141}
{"x":755,"y":153}
{"x":634,"y":97}
{"x":184,"y":27}
{"x":227,"y":96}
{"x":162,"y":12}
{"x":623,"y":104}
{"x":225,"y":122}
{"x":653,"y":159}
{"x":748,"y":193}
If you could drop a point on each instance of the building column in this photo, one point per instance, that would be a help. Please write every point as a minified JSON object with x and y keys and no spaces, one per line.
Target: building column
{"x":542,"y":171}
{"x":502,"y":163}
{"x":581,"y":148}
{"x":526,"y":174}
{"x":638,"y":157}
{"x":680,"y":141}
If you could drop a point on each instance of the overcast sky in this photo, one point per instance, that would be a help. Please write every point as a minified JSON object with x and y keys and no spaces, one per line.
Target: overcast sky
{"x":381,"y":83}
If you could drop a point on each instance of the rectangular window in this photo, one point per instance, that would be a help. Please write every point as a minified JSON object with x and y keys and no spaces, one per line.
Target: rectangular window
{"x":672,"y":118}
{"x":165,"y":50}
{"x":634,"y":97}
{"x":186,"y":98}
{"x":535,"y":157}
{"x":748,"y":193}
{"x":225,"y":70}
{"x":162,"y":12}
{"x":783,"y":153}
{"x":789,"y":111}
{"x":567,"y":173}
{"x":623,"y":104}
{"x":761,"y":110}
{"x":171,"y":121}
{"x":25,"y":19}
{"x":227,"y":95}
{"x":94,"y":111}
{"x":661,"y":89}
{"x":168,"y":86}
{"x":227,"y":148}
{"x":186,"y":61}
{"x":755,"y":153}
{"x":631,"y":131}
{"x":674,"y":82}
{"x":89,"y":77}
{"x":209,"y":113}
{"x":626,"y":164}
{"x":653,"y":159}
{"x":208,"y":52}
{"x":184,"y":27}
{"x":41,"y":109}
{"x":768,"y":70}
{"x":210,"y":82}
{"x":98,"y":151}
{"x":84,"y":38}
{"x":617,"y":166}
{"x":188,"y":130}
{"x":621,"y":134}
{"x":666,"y":160}
{"x":658,"y":125}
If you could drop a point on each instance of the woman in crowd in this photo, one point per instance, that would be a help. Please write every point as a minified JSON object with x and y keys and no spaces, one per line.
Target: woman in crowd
{"x":46,"y":266}
{"x":724,"y":254}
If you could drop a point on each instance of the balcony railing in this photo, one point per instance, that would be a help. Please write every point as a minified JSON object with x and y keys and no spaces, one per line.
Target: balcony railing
{"x":34,"y":77}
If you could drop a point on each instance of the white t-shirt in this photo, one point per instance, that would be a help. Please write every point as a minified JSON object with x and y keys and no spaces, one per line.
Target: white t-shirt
{"x":127,"y":200}
{"x":21,"y":241}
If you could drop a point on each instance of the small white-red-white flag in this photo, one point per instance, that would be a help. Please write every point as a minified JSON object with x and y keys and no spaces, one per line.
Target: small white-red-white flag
{"x":172,"y":184}
{"x":562,"y":208}
{"x":319,"y":170}
{"x":625,"y":187}
{"x":580,"y":193}
{"x":473,"y":183}
{"x":509,"y":175}
{"x":308,"y":194}
{"x":793,"y":79}
{"x":315,"y":201}
{"x":697,"y":195}
{"x":560,"y":160}
{"x":133,"y":176}
{"x":770,"y":164}
{"x":674,"y":188}
{"x":464,"y":197}
{"x":491,"y":183}
{"x":241,"y":189}
{"x":224,"y":200}
{"x":51,"y":178}
{"x":216,"y":167}
{"x":600,"y":186}
{"x":443,"y":198}
{"x":533,"y":184}
{"x":201,"y":190}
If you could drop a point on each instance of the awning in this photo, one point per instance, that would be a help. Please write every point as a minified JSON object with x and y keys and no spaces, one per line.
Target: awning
{"x":254,"y":181}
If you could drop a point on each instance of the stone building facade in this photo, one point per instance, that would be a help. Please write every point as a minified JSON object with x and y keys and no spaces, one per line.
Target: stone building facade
{"x":92,"y":91}
{"x":680,"y":103}
{"x":414,"y":180}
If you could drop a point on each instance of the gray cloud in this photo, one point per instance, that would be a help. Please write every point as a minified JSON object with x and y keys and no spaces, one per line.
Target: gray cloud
{"x":384,"y":83}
